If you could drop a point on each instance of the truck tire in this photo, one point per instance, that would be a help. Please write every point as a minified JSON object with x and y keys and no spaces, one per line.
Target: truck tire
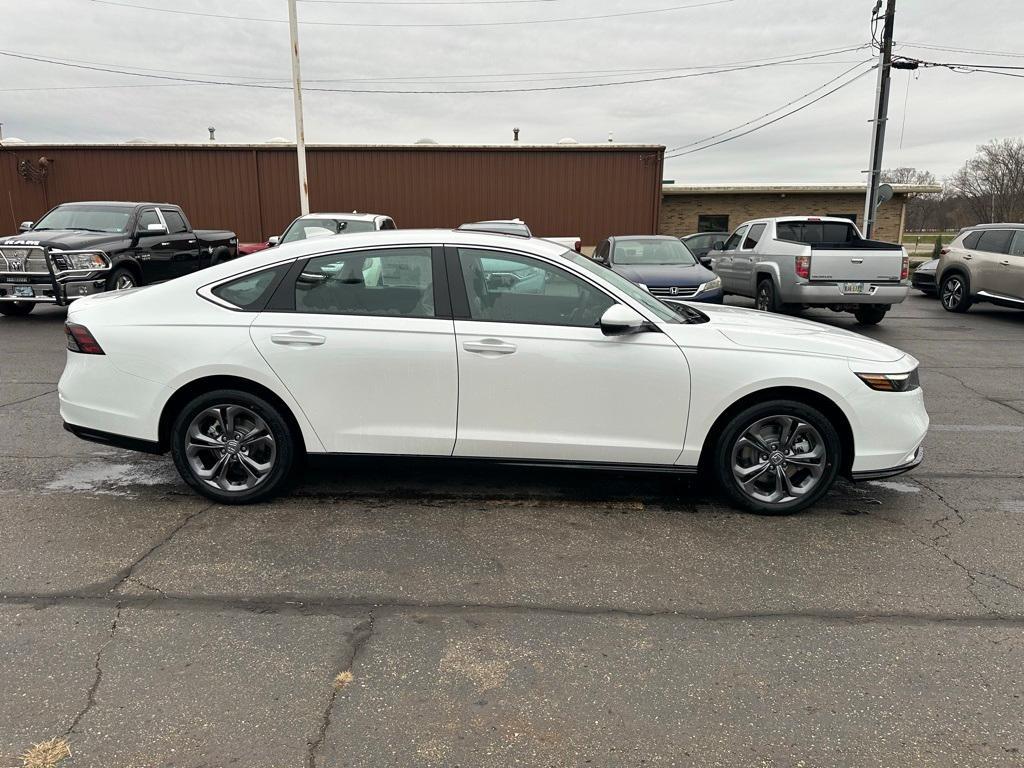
{"x":767,"y":299}
{"x":955,"y":293}
{"x":122,"y":279}
{"x":16,"y":308}
{"x":871,"y":315}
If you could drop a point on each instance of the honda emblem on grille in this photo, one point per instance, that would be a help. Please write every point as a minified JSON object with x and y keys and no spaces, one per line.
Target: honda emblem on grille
{"x":674,"y":291}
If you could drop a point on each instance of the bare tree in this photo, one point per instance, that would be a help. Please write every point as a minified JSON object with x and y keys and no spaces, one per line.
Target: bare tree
{"x":922,"y":210}
{"x":907,"y":175}
{"x":991,"y":184}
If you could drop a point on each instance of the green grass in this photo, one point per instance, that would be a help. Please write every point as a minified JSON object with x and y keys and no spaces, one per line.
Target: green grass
{"x":926,"y":238}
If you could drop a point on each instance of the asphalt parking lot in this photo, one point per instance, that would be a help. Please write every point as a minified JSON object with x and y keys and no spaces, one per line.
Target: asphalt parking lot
{"x":519,"y":617}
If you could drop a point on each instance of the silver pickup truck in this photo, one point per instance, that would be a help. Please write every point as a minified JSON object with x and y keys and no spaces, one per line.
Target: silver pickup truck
{"x":791,"y":262}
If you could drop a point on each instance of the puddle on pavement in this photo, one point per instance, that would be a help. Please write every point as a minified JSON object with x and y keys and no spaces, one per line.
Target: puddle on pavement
{"x":890,"y":485}
{"x":112,"y":478}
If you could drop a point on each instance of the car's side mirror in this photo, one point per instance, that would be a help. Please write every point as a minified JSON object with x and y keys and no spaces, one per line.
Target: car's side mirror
{"x":719,"y":246}
{"x":154,"y":229}
{"x":25,"y":226}
{"x":273,"y":240}
{"x":620,"y":320}
{"x":705,"y":260}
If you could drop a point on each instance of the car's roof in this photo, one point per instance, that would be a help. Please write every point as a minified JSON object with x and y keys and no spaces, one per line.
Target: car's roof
{"x":993,"y":226}
{"x":352,"y":216}
{"x":702,"y":234}
{"x":643,"y":237}
{"x":397,"y":237}
{"x":112,"y":203}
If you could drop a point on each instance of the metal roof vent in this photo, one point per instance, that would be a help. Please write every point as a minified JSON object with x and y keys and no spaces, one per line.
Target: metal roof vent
{"x":568,"y":140}
{"x":426,"y":141}
{"x":278,"y":140}
{"x":12,"y":140}
{"x":139,"y":140}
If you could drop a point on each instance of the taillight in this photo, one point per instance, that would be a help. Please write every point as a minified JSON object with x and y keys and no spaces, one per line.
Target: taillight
{"x":905,"y":271}
{"x":80,"y":339}
{"x":803,"y":267}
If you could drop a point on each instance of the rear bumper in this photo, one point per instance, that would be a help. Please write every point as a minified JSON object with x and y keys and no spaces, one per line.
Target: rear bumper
{"x":118,"y":441}
{"x":829,"y":294}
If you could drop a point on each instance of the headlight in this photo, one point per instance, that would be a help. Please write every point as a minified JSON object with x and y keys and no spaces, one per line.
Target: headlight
{"x":892,"y":382}
{"x":86,"y":260}
{"x":710,"y":285}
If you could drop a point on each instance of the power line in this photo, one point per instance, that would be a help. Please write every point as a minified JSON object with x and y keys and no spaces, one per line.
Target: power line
{"x":800,"y":98}
{"x":621,"y":14}
{"x":783,"y":116}
{"x":980,"y":51}
{"x":269,"y":86}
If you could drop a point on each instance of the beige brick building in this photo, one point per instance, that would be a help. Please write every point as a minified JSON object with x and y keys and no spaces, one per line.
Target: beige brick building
{"x":686,"y":209}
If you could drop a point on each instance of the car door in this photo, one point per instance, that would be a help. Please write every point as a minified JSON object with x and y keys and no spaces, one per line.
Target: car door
{"x":1013,"y":267}
{"x":154,"y":248}
{"x":365,"y":342}
{"x":539,"y":380}
{"x":723,"y":260}
{"x":184,"y":244}
{"x":985,"y":260}
{"x":745,"y":258}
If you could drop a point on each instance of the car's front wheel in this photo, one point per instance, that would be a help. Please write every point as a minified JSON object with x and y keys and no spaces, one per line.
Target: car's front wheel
{"x":955,"y":293}
{"x":777,"y":457}
{"x":234,"y":447}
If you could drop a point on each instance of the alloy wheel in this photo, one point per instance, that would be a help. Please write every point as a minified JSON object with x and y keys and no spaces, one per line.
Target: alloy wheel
{"x":778,"y":459}
{"x":230,"y":447}
{"x":952,"y":293}
{"x":763,"y":300}
{"x":124,"y":282}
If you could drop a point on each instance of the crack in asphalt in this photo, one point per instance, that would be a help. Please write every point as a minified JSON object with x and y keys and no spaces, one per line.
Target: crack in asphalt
{"x":980,"y":394}
{"x":26,"y":399}
{"x":356,"y":639}
{"x":90,"y":696}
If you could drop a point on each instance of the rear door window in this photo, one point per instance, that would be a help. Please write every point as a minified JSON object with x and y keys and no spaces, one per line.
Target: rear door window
{"x":1017,"y":246}
{"x":175,"y":222}
{"x":753,"y":237}
{"x":251,"y":292}
{"x":995,"y":240}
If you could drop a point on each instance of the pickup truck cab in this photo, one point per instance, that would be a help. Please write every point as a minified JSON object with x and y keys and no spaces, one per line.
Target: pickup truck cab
{"x":78,"y":249}
{"x":793,"y":262}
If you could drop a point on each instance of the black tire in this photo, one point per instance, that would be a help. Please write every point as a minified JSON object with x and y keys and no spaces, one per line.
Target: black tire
{"x":121,"y":279}
{"x":731,"y":455}
{"x":281,"y":453}
{"x":767,"y":300}
{"x":16,"y":308}
{"x":955,"y":293}
{"x":871,"y":315}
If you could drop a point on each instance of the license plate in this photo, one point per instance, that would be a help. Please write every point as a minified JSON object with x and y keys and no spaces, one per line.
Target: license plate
{"x":16,"y":279}
{"x":854,"y":288}
{"x":24,"y":291}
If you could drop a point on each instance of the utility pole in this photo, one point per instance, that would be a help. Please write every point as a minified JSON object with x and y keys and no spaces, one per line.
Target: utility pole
{"x":881,"y":117}
{"x":300,"y":131}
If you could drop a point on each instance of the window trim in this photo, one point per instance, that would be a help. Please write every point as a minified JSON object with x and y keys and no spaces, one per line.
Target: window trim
{"x":763,"y":225}
{"x":283,"y":298}
{"x":206,"y":291}
{"x":460,"y":295}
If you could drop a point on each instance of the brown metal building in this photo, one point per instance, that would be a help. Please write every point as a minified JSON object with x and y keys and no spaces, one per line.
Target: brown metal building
{"x":560,"y":190}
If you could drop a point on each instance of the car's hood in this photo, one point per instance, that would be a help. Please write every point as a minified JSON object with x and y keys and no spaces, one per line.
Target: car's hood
{"x":665,"y":275}
{"x":63,"y":239}
{"x":762,"y":330}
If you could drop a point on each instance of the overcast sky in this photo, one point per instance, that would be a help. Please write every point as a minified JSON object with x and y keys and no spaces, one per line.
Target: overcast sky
{"x":946,"y":115}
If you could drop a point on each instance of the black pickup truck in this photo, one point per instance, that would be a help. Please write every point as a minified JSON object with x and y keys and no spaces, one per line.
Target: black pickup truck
{"x":78,"y":249}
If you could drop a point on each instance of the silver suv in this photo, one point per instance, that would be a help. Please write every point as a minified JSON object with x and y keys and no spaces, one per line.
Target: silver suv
{"x":983,"y":263}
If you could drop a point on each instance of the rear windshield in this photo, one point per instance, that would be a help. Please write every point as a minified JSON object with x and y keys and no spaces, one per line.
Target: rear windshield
{"x":816,"y":232}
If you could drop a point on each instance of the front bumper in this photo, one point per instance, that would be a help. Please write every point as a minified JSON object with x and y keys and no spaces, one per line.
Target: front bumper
{"x":877,"y":474}
{"x":39,"y":275}
{"x":48,"y":292}
{"x":829,"y":294}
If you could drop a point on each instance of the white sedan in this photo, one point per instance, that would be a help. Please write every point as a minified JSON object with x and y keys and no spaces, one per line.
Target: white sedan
{"x":242,"y":369}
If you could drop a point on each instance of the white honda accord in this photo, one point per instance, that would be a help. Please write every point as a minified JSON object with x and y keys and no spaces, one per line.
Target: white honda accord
{"x":478,"y":347}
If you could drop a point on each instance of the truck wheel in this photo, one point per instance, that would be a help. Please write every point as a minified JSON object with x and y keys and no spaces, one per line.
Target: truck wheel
{"x":871,"y":315}
{"x":955,"y":293}
{"x":778,"y":457}
{"x":121,"y":279}
{"x":766,"y":300}
{"x":16,"y":308}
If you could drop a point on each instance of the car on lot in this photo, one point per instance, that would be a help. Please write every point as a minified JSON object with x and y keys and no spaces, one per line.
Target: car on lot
{"x":243,"y":370}
{"x":702,"y":243}
{"x":983,"y":264}
{"x":661,"y":265}
{"x":923,"y":278}
{"x":793,"y":262}
{"x":518,"y":228}
{"x":322,"y":225}
{"x":78,"y":249}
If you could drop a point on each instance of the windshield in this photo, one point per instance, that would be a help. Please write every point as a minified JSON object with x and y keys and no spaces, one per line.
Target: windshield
{"x":87,"y":218}
{"x":664,"y":312}
{"x":652,"y":250}
{"x":303,"y":229}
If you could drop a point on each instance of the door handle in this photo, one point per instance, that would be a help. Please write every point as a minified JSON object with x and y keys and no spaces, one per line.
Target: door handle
{"x":968,"y":256}
{"x":1005,"y":263}
{"x":857,"y":261}
{"x":493,"y":346}
{"x":298,"y":339}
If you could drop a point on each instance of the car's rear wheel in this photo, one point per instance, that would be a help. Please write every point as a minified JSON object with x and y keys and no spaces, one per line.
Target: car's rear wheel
{"x":870,"y":315}
{"x":767,"y":300}
{"x":16,"y":308}
{"x":778,"y":457}
{"x":955,"y":293}
{"x":233,"y":447}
